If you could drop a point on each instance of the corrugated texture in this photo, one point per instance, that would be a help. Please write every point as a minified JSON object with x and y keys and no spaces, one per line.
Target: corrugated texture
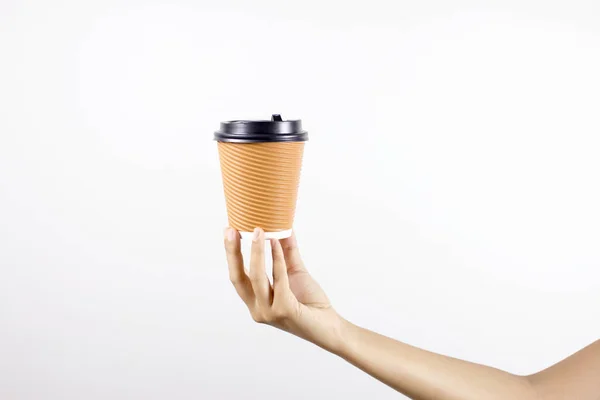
{"x":261,"y":184}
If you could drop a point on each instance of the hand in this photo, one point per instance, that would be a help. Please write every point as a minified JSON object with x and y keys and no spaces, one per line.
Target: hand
{"x":294,"y":302}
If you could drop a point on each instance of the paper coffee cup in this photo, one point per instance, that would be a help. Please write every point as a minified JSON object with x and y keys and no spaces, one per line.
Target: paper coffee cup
{"x":260,"y":166}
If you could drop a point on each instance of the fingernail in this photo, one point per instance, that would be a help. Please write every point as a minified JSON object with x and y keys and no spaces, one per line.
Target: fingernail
{"x":230,"y":234}
{"x":256,"y":234}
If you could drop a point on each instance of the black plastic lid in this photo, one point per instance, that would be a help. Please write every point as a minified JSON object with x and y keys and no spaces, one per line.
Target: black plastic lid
{"x":275,"y":130}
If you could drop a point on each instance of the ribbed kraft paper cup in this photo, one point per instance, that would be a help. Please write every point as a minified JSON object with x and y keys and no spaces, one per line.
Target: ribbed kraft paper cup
{"x":260,"y":167}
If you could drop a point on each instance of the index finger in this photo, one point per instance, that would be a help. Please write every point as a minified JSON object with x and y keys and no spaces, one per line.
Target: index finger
{"x":292,"y":254}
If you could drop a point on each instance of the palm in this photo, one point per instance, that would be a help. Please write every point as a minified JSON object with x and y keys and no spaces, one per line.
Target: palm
{"x":315,"y":320}
{"x":294,"y":301}
{"x":306,"y":290}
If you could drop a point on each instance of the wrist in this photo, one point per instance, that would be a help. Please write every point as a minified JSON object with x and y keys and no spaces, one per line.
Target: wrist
{"x":345,"y":339}
{"x":328,"y":331}
{"x":341,"y":342}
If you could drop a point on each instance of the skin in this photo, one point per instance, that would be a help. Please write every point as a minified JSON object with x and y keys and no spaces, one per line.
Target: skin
{"x":295,"y":303}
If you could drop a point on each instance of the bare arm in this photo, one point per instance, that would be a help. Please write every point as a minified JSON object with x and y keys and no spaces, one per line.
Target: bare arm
{"x":576,"y":377}
{"x":294,"y":302}
{"x":421,"y":374}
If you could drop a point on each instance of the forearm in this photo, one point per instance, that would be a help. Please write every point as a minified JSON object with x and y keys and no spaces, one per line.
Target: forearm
{"x":422,"y":375}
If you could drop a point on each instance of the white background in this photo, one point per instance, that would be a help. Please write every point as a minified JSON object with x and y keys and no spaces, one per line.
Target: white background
{"x":449,"y":198}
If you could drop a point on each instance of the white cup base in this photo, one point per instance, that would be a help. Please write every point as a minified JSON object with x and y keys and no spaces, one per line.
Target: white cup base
{"x":269,"y":235}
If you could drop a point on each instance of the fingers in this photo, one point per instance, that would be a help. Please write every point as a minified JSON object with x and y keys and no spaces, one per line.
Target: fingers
{"x":292,"y":255}
{"x":258,"y":276}
{"x":274,"y":305}
{"x":235,"y":261}
{"x":280,"y":278}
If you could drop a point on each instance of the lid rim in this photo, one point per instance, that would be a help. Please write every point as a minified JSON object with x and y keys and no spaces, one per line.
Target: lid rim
{"x":259,"y":131}
{"x":261,"y":138}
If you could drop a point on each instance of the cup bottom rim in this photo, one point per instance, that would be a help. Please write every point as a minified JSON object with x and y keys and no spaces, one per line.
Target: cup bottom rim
{"x":269,"y":235}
